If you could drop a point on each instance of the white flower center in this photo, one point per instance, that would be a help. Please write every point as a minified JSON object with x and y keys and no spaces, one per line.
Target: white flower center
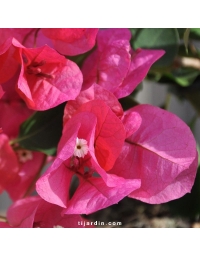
{"x":81,"y":148}
{"x":24,"y":155}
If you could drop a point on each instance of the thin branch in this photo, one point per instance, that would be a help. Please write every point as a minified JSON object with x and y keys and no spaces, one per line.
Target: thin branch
{"x":188,"y":62}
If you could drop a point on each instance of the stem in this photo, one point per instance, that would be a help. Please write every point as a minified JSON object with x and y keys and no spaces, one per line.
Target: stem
{"x":27,"y":35}
{"x":167,"y":101}
{"x":35,"y":37}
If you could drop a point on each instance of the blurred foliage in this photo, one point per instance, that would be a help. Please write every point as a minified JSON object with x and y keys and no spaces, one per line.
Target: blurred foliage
{"x":158,"y":38}
{"x":188,"y":205}
{"x":179,"y":68}
{"x":42,"y":131}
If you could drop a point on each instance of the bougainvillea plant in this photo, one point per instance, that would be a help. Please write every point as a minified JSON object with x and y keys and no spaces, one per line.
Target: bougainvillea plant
{"x":68,"y":144}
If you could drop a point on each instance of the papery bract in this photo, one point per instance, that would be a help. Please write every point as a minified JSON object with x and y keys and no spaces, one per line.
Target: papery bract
{"x":161,"y":152}
{"x":93,"y":194}
{"x":108,"y":64}
{"x":8,"y":162}
{"x":94,"y":92}
{"x":1,"y":92}
{"x":141,"y":61}
{"x":73,"y":41}
{"x":114,"y":65}
{"x":18,"y":167}
{"x":33,"y":212}
{"x":105,"y":135}
{"x":9,"y":60}
{"x":10,"y":93}
{"x":28,"y":37}
{"x":109,"y":133}
{"x":13,"y":113}
{"x":21,"y":34}
{"x":28,"y":170}
{"x":47,"y":79}
{"x":67,"y":41}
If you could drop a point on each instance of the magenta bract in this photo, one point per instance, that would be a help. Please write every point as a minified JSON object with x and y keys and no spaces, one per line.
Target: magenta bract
{"x":29,"y":164}
{"x":102,"y":129}
{"x":71,"y":42}
{"x":33,"y":212}
{"x":94,"y":92}
{"x":114,"y":65}
{"x":1,"y":92}
{"x":47,"y":78}
{"x":8,"y":162}
{"x":18,"y":167}
{"x":161,"y":152}
{"x":13,"y":114}
{"x":9,"y":60}
{"x":109,"y":133}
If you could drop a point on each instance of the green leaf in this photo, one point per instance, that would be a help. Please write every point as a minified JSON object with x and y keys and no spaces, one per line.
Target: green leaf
{"x":42,"y":131}
{"x":133,"y":31}
{"x":158,"y":38}
{"x":195,"y":33}
{"x":183,"y":76}
{"x":128,"y":102}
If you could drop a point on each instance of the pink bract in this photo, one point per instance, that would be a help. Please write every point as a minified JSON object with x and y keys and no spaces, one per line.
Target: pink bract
{"x":104,"y":133}
{"x":33,"y":212}
{"x":71,"y":41}
{"x":94,"y":92}
{"x":21,"y":34}
{"x":9,"y":60}
{"x":8,"y":162}
{"x":24,"y":182}
{"x":18,"y":167}
{"x":13,"y":113}
{"x":10,"y":93}
{"x":161,"y":152}
{"x":67,"y":41}
{"x":1,"y":92}
{"x":109,"y":132}
{"x":114,"y":65}
{"x":46,"y":79}
{"x":28,"y":37}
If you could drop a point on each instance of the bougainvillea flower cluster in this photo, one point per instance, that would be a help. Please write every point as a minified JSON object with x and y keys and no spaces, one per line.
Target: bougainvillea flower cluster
{"x":104,"y":153}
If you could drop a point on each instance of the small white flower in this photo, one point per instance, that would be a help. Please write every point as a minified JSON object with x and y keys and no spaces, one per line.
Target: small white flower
{"x":81,"y":148}
{"x":24,"y":155}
